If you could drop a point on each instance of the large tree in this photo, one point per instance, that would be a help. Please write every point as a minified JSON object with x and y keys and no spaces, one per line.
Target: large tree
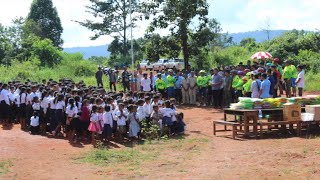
{"x":177,"y":15}
{"x":45,"y":15}
{"x":111,"y":18}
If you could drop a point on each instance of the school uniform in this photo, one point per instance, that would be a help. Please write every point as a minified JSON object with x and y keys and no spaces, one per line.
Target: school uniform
{"x":22,"y":107}
{"x":156,"y":118}
{"x":29,"y":99}
{"x":134,"y":127}
{"x":121,"y":121}
{"x":107,"y":124}
{"x":141,"y":113}
{"x":34,"y":124}
{"x":13,"y":106}
{"x":53,"y":117}
{"x":4,"y":103}
{"x":72,"y":117}
{"x":95,"y":125}
{"x":147,"y":110}
{"x":59,"y":111}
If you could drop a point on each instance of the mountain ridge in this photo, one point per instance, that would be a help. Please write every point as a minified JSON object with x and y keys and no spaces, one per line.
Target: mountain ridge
{"x":101,"y":50}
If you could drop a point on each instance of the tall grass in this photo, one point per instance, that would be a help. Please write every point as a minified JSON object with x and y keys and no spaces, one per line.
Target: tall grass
{"x":312,"y":81}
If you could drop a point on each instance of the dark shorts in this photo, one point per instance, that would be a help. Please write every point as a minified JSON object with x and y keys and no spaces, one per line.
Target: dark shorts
{"x":107,"y":130}
{"x":22,"y":111}
{"x":203,"y":91}
{"x":4,"y":110}
{"x":122,"y":129}
{"x":293,"y":82}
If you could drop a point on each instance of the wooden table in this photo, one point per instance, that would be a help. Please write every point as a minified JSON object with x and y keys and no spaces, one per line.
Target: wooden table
{"x":247,"y":115}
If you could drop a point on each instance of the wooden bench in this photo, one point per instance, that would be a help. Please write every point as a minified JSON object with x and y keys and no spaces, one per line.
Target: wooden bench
{"x":226,"y":123}
{"x":276,"y":123}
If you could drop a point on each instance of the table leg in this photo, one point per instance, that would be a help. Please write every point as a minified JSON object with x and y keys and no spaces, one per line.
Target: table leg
{"x":225,"y":119}
{"x":246,"y":126}
{"x":214,"y":128}
{"x":255,"y":126}
{"x":299,"y":128}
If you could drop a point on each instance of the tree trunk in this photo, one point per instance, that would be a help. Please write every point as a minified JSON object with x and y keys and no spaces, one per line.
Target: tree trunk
{"x":184,"y":44}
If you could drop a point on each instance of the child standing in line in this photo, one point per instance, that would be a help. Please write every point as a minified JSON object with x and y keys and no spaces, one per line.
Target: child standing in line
{"x":100,"y":115}
{"x":140,"y":111}
{"x":34,"y":123}
{"x":167,"y":122}
{"x":72,"y":114}
{"x":95,"y":125}
{"x":156,"y":117}
{"x":121,"y":116}
{"x":147,"y":109}
{"x":134,"y":127}
{"x":107,"y":123}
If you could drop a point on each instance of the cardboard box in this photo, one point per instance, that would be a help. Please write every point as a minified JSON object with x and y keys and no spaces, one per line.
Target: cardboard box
{"x":292,"y":112}
{"x":314,"y":109}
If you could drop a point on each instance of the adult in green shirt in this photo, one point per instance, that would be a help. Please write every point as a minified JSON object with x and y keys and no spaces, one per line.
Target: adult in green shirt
{"x":294,"y":75}
{"x":171,"y":80}
{"x":202,"y":83}
{"x":287,"y":77}
{"x":247,"y":86}
{"x":161,"y":85}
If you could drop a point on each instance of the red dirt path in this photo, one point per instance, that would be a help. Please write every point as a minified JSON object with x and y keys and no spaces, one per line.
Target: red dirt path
{"x":39,"y":157}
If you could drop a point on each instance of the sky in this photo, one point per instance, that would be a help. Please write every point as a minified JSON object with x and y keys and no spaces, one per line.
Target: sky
{"x":233,"y":15}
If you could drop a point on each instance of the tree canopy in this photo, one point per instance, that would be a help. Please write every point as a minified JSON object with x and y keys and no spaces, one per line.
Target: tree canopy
{"x":45,"y":16}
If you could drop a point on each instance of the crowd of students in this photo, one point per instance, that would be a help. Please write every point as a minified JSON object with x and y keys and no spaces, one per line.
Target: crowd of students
{"x":86,"y":113}
{"x":221,"y":86}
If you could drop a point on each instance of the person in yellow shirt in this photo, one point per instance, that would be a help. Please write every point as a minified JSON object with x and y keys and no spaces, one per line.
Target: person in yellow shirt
{"x":294,"y":75}
{"x":170,"y":86}
{"x":161,"y":85}
{"x":202,"y":83}
{"x":237,"y":84}
{"x":287,"y":77}
{"x":247,"y":85}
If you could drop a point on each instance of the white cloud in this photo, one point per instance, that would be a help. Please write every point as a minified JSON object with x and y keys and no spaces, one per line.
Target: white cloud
{"x":284,"y":14}
{"x":234,"y":16}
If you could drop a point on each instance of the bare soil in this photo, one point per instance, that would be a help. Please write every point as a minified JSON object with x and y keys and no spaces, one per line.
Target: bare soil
{"x":275,"y":157}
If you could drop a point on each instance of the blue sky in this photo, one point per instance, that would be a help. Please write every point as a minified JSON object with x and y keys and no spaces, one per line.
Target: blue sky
{"x":234,"y":16}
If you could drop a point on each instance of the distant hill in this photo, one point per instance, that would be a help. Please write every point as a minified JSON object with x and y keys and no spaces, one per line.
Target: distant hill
{"x":90,"y":51}
{"x":260,"y":36}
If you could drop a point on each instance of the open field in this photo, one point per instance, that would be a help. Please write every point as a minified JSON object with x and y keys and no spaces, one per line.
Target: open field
{"x":197,"y":155}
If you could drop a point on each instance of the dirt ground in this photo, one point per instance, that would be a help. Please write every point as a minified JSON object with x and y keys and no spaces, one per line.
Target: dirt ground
{"x":283,"y":157}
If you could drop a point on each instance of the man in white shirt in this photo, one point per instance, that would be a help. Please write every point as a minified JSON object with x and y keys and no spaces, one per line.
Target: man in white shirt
{"x":300,"y":80}
{"x":146,"y":83}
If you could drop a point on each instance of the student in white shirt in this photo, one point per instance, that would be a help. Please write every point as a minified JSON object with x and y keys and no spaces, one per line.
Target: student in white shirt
{"x":140,"y":111}
{"x":59,"y":119}
{"x":146,"y":83}
{"x":147,"y":107}
{"x":34,"y":123}
{"x":107,"y":123}
{"x":44,"y":104}
{"x":121,"y":117}
{"x":4,"y":104}
{"x":21,"y":100}
{"x":72,"y":119}
{"x":300,"y":80}
{"x":167,"y":114}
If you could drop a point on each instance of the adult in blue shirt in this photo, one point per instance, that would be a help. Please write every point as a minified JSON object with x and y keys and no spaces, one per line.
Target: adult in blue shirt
{"x":216,"y":83}
{"x":272,"y":81}
{"x":178,"y":86}
{"x":265,"y":87}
